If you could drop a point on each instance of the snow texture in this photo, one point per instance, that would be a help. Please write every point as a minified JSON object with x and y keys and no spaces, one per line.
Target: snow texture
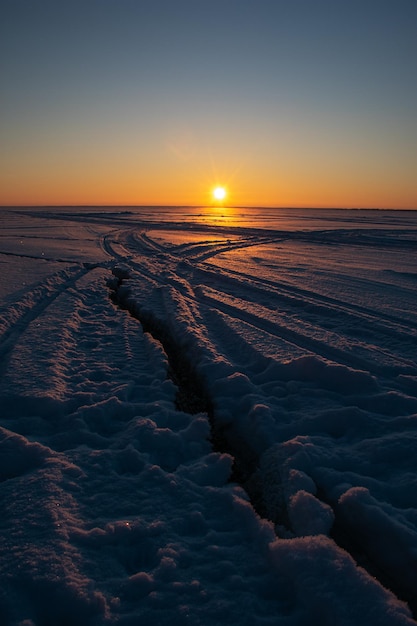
{"x":208,"y":418}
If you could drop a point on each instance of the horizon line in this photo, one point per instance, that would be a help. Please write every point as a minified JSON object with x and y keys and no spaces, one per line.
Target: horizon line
{"x":207,"y":206}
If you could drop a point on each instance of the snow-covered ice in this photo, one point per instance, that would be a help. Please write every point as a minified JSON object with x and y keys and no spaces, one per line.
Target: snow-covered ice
{"x":208,"y":417}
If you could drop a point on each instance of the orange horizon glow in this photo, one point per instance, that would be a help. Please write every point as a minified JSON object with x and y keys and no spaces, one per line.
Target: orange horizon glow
{"x":128,"y":190}
{"x":288,"y":200}
{"x":47,"y":175}
{"x":136,"y":183}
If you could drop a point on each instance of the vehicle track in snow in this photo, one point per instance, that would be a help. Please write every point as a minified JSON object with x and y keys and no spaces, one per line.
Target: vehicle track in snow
{"x":292,"y":315}
{"x":314,"y":302}
{"x":16,"y":318}
{"x":66,"y":353}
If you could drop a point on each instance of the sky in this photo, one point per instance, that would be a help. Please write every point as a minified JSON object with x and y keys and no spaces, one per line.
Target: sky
{"x":131,"y":102}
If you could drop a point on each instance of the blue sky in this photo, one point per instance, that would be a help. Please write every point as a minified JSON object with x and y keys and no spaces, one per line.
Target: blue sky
{"x":286,"y":103}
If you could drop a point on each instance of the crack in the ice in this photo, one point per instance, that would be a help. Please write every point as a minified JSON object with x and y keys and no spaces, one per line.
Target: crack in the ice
{"x":341,"y":535}
{"x":192,"y":398}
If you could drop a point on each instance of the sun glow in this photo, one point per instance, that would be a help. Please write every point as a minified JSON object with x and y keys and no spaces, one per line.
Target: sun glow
{"x":219,"y":193}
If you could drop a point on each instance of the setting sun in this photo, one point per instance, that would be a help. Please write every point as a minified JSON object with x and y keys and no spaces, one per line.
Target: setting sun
{"x":219,"y":193}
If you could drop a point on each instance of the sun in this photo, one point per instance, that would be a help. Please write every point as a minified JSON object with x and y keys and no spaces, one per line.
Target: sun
{"x":219,"y":193}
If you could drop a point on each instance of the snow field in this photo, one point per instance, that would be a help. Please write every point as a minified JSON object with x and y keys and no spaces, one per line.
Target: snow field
{"x":117,"y":508}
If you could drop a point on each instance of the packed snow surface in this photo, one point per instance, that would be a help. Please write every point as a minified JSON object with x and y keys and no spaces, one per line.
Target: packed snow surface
{"x":208,"y":416}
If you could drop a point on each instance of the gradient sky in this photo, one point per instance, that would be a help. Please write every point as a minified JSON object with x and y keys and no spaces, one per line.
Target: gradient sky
{"x":287,"y":103}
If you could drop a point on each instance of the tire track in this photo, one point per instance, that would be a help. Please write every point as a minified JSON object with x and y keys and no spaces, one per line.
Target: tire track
{"x":16,"y":319}
{"x":302,"y":338}
{"x":317,"y":346}
{"x":298,"y":297}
